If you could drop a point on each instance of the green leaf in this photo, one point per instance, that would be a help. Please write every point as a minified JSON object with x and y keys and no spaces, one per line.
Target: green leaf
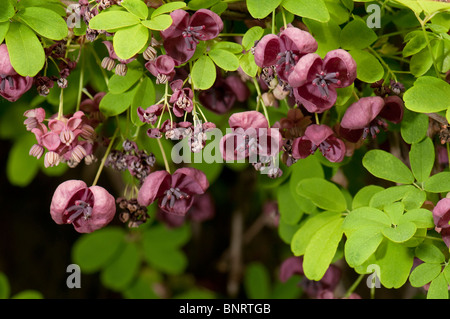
{"x":303,"y":235}
{"x":203,"y":73}
{"x":421,"y":62}
{"x":401,"y":233}
{"x":386,"y":166}
{"x":257,"y":281}
{"x":45,"y":22}
{"x":421,"y":157}
{"x":428,"y":95}
{"x":363,"y":196}
{"x":113,"y":20}
{"x":115,"y":104}
{"x":171,"y":261}
{"x":394,"y":211}
{"x":25,"y":50}
{"x":54,"y":5}
{"x":327,"y":35}
{"x":390,"y":195}
{"x":369,"y":68}
{"x":429,"y":253}
{"x":364,"y":217}
{"x":130,"y":40}
{"x":395,"y":261}
{"x":261,"y":9}
{"x":4,"y":27}
{"x":290,"y":212}
{"x":438,"y":288}
{"x":316,"y":10}
{"x":228,"y":46}
{"x":144,"y":97}
{"x":168,"y":238}
{"x":7,"y":10}
{"x":160,"y":22}
{"x":224,"y":59}
{"x":322,"y":193}
{"x":120,"y":272}
{"x":302,"y":169}
{"x":414,"y":126}
{"x":361,"y":244}
{"x":119,"y":84}
{"x":415,"y":43}
{"x":251,"y":35}
{"x":28,"y":294}
{"x":96,"y":250}
{"x":357,"y":35}
{"x":438,"y":183}
{"x":248,"y":64}
{"x":201,"y":4}
{"x":414,"y":199}
{"x":321,"y":249}
{"x":136,"y":7}
{"x":169,"y":7}
{"x":338,"y":10}
{"x":5,"y":289}
{"x":21,"y":168}
{"x":424,"y":274}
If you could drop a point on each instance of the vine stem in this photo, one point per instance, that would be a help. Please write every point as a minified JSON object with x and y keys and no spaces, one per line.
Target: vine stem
{"x":260,"y":100}
{"x":353,"y":287}
{"x":80,"y":83}
{"x":422,"y":25}
{"x":166,"y":163}
{"x":102,"y":164}
{"x":61,"y":104}
{"x":388,"y":69}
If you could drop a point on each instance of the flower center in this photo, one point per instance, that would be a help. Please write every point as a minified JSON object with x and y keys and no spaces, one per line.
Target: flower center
{"x":323,"y":80}
{"x":193,"y":35}
{"x":324,"y":148}
{"x":374,"y":128}
{"x":287,"y":59}
{"x":5,"y":78}
{"x":183,"y":102}
{"x":172,"y":195}
{"x":81,"y":208}
{"x":249,"y":145}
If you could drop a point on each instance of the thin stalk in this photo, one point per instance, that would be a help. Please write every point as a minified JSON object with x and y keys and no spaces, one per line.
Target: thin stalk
{"x":102,"y":164}
{"x":61,"y":104}
{"x":422,"y":25}
{"x":260,"y":100}
{"x":353,"y":287}
{"x":80,"y":83}
{"x":388,"y":69}
{"x":166,"y":163}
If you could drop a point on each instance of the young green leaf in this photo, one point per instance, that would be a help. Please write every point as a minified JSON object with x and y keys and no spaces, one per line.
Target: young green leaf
{"x":423,"y":218}
{"x":428,"y":95}
{"x":421,"y":157}
{"x":7,"y":10}
{"x":414,"y":126}
{"x":363,"y":196}
{"x":438,"y":288}
{"x":261,"y":9}
{"x":203,"y":73}
{"x":386,"y":166}
{"x":390,"y":195}
{"x":369,"y":68}
{"x":248,"y":64}
{"x":4,"y":27}
{"x":290,"y":212}
{"x":257,"y":281}
{"x":169,"y":7}
{"x":400,"y":233}
{"x":136,"y":7}
{"x":159,"y":22}
{"x":327,"y":35}
{"x":365,"y":217}
{"x":322,"y":193}
{"x":438,"y":183}
{"x":224,"y":59}
{"x":316,"y":10}
{"x":144,"y":97}
{"x":112,"y":20}
{"x":394,"y":211}
{"x":45,"y":22}
{"x":361,"y":244}
{"x":5,"y":289}
{"x":395,"y":261}
{"x":20,"y":167}
{"x":429,"y":253}
{"x":119,"y":84}
{"x":424,"y":273}
{"x":115,"y":104}
{"x":251,"y":35}
{"x":130,"y":40}
{"x":357,"y":35}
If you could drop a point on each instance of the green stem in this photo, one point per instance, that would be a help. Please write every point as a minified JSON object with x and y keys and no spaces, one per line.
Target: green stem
{"x":102,"y":164}
{"x":353,"y":287}
{"x":61,"y":105}
{"x":388,"y":69}
{"x":80,"y":82}
{"x":422,"y":25}
{"x":166,"y":163}
{"x":273,"y":22}
{"x":317,"y":118}
{"x":284,"y":17}
{"x":231,"y":34}
{"x":260,"y":100}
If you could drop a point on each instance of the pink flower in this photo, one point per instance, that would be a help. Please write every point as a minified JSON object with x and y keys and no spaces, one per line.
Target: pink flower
{"x":34,"y":118}
{"x":284,"y":50}
{"x":150,"y":114}
{"x":12,"y":85}
{"x":314,"y":80}
{"x":86,"y":208}
{"x":182,"y":37}
{"x":319,"y":137}
{"x":441,"y":217}
{"x":175,"y":193}
{"x":163,"y":68}
{"x":181,"y":98}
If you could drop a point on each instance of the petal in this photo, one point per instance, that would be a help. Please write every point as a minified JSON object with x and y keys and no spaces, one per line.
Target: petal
{"x":62,"y":196}
{"x":228,"y":145}
{"x":110,"y":48}
{"x":154,"y":186}
{"x":301,"y":147}
{"x":190,"y":180}
{"x":164,"y":64}
{"x":103,"y":211}
{"x":180,"y":22}
{"x":238,"y":87}
{"x":267,"y":49}
{"x":195,"y":174}
{"x":249,"y":119}
{"x":178,"y":50}
{"x":20,"y":86}
{"x":180,"y":207}
{"x":318,"y":133}
{"x":337,"y":151}
{"x":341,"y":61}
{"x":441,"y":213}
{"x":351,"y":135}
{"x":51,"y":141}
{"x":297,"y":40}
{"x":393,"y":109}
{"x":313,"y":100}
{"x":176,"y":85}
{"x":212,"y":22}
{"x":291,"y":266}
{"x":305,"y":70}
{"x":5,"y":64}
{"x":361,"y":113}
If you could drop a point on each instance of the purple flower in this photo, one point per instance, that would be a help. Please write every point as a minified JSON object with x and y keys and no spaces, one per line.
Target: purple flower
{"x":182,"y":37}
{"x":284,"y":50}
{"x":86,"y":208}
{"x":163,"y":68}
{"x":314,"y":80}
{"x":222,"y":96}
{"x":441,"y":217}
{"x":369,"y":114}
{"x":319,"y":137}
{"x":181,"y":98}
{"x":175,"y":193}
{"x":12,"y":85}
{"x":290,"y":267}
{"x":150,"y":114}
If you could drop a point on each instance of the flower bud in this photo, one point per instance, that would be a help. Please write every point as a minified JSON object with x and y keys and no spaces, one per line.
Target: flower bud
{"x":121,"y":69}
{"x":51,"y":159}
{"x":149,"y":54}
{"x":108,"y":63}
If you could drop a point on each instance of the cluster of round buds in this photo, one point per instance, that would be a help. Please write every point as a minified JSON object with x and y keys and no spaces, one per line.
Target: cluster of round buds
{"x":66,"y":139}
{"x":132,"y":213}
{"x":112,"y":60}
{"x":138,"y":162}
{"x":381,"y":89}
{"x":150,"y":53}
{"x":265,"y":165}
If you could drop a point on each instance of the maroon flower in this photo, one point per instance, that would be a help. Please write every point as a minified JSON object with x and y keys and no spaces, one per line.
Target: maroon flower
{"x":181,"y":98}
{"x":222,"y":96}
{"x":150,"y":114}
{"x":109,"y":62}
{"x":319,"y":137}
{"x":86,"y":208}
{"x":284,"y":50}
{"x":250,"y":136}
{"x":368,"y":115}
{"x":314,"y":80}
{"x":12,"y":85}
{"x":182,"y":37}
{"x":163,"y":68}
{"x":290,"y":267}
{"x":441,"y":217}
{"x":175,"y":193}
{"x":92,"y":108}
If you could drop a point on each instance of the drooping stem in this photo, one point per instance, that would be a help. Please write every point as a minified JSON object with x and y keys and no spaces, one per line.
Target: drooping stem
{"x":166,"y":163}
{"x":422,"y":25}
{"x":61,"y":104}
{"x":80,"y":83}
{"x":102,"y":164}
{"x":388,"y":69}
{"x":353,"y":287}
{"x":260,"y":100}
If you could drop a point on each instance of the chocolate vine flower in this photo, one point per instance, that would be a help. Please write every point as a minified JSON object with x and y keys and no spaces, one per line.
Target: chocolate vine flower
{"x":12,"y":85}
{"x":109,"y":62}
{"x":319,"y":137}
{"x":314,"y":81}
{"x":163,"y":68}
{"x":284,"y":50}
{"x":181,"y":98}
{"x":182,"y":37}
{"x":441,"y":217}
{"x":86,"y":208}
{"x":368,"y":115}
{"x":175,"y":193}
{"x":150,"y":114}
